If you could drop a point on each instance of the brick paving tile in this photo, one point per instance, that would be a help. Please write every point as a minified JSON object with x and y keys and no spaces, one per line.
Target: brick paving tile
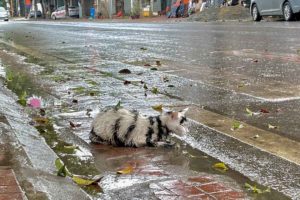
{"x":9,"y":189}
{"x":167,"y":197}
{"x":16,"y":196}
{"x":200,"y":179}
{"x":212,"y":187}
{"x":229,"y":195}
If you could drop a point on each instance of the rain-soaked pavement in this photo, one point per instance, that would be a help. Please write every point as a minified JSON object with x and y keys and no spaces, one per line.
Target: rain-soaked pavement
{"x":223,"y":68}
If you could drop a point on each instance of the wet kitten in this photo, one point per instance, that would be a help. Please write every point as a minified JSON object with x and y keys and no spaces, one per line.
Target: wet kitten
{"x":121,"y":127}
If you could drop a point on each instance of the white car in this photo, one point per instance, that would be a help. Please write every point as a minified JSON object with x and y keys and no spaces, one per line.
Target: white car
{"x":61,"y":12}
{"x":4,"y":14}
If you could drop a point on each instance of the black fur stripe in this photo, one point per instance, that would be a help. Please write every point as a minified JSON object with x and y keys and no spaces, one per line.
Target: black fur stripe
{"x":160,"y":128}
{"x":117,"y":140}
{"x":95,"y":138}
{"x":151,"y":120}
{"x":132,"y":126}
{"x":149,"y":137}
{"x":183,"y":119}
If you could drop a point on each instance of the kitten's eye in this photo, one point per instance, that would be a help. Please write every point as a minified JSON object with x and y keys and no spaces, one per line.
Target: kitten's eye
{"x":182,"y":120}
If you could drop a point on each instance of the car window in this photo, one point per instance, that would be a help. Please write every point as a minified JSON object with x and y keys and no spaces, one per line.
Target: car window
{"x":2,"y":9}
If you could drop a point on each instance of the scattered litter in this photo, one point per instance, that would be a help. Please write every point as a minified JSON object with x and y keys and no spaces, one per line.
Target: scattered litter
{"x":127,"y":82}
{"x":147,"y":65}
{"x":272,"y":127}
{"x":154,"y":90}
{"x":153,"y":69}
{"x":158,"y":63}
{"x":74,"y":101}
{"x":143,"y":48}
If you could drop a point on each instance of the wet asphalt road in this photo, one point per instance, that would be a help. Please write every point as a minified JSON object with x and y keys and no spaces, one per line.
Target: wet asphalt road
{"x":253,"y":65}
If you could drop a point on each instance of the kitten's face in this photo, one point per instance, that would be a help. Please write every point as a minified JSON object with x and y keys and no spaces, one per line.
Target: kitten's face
{"x":175,"y":121}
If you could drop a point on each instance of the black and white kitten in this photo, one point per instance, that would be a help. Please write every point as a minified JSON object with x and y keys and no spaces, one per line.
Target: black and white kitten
{"x":121,"y":127}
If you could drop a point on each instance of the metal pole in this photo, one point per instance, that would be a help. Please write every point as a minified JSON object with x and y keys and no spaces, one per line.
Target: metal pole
{"x":34,"y":4}
{"x":110,"y":9}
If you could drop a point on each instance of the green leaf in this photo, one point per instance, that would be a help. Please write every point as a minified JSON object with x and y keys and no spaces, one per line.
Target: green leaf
{"x":158,"y":108}
{"x":256,"y":190}
{"x":154,"y":90}
{"x":82,"y":180}
{"x":72,"y":147}
{"x":249,"y":112}
{"x":62,"y":169}
{"x":118,"y":106}
{"x":220,"y":166}
{"x":236,"y":125}
{"x":145,"y":86}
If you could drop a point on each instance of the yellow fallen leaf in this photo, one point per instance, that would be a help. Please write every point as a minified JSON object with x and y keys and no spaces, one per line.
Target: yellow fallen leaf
{"x":81,"y":180}
{"x":158,"y":108}
{"x":41,"y":120}
{"x":126,"y":170}
{"x":221,"y":166}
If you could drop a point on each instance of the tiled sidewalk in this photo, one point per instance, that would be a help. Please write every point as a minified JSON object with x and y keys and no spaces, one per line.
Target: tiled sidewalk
{"x":9,"y":187}
{"x":168,"y":180}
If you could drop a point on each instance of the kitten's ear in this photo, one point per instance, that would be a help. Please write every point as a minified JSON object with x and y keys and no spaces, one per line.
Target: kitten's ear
{"x":184,"y":111}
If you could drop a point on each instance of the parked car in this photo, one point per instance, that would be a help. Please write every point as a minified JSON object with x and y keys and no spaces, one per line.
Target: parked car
{"x":38,"y":13}
{"x":285,"y":8}
{"x":4,"y":14}
{"x":61,"y":12}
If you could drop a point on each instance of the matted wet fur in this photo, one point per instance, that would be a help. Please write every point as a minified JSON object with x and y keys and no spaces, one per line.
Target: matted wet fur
{"x":121,"y":127}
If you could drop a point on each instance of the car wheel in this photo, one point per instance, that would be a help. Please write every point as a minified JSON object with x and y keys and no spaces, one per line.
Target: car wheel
{"x":287,"y":12}
{"x":53,"y":17}
{"x":255,"y":13}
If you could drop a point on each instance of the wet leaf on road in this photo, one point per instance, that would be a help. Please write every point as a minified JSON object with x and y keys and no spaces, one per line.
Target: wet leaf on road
{"x":153,"y":69}
{"x":88,"y":112}
{"x":41,"y":120}
{"x":256,"y":136}
{"x":147,"y":65}
{"x":262,"y":110}
{"x":145,"y":86}
{"x":42,"y":112}
{"x":255,"y":60}
{"x":74,"y":125}
{"x":251,"y":113}
{"x":236,"y":125}
{"x":72,"y":147}
{"x":126,"y":170}
{"x":158,"y":108}
{"x":165,"y":79}
{"x":220,"y":166}
{"x":158,"y":63}
{"x":83,"y":180}
{"x":74,"y":101}
{"x":125,"y":71}
{"x":143,"y":48}
{"x":256,"y":190}
{"x":118,"y":106}
{"x":272,"y":127}
{"x":62,"y":170}
{"x":171,"y":86}
{"x":22,"y":99}
{"x":127,"y":82}
{"x":154,"y":90}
